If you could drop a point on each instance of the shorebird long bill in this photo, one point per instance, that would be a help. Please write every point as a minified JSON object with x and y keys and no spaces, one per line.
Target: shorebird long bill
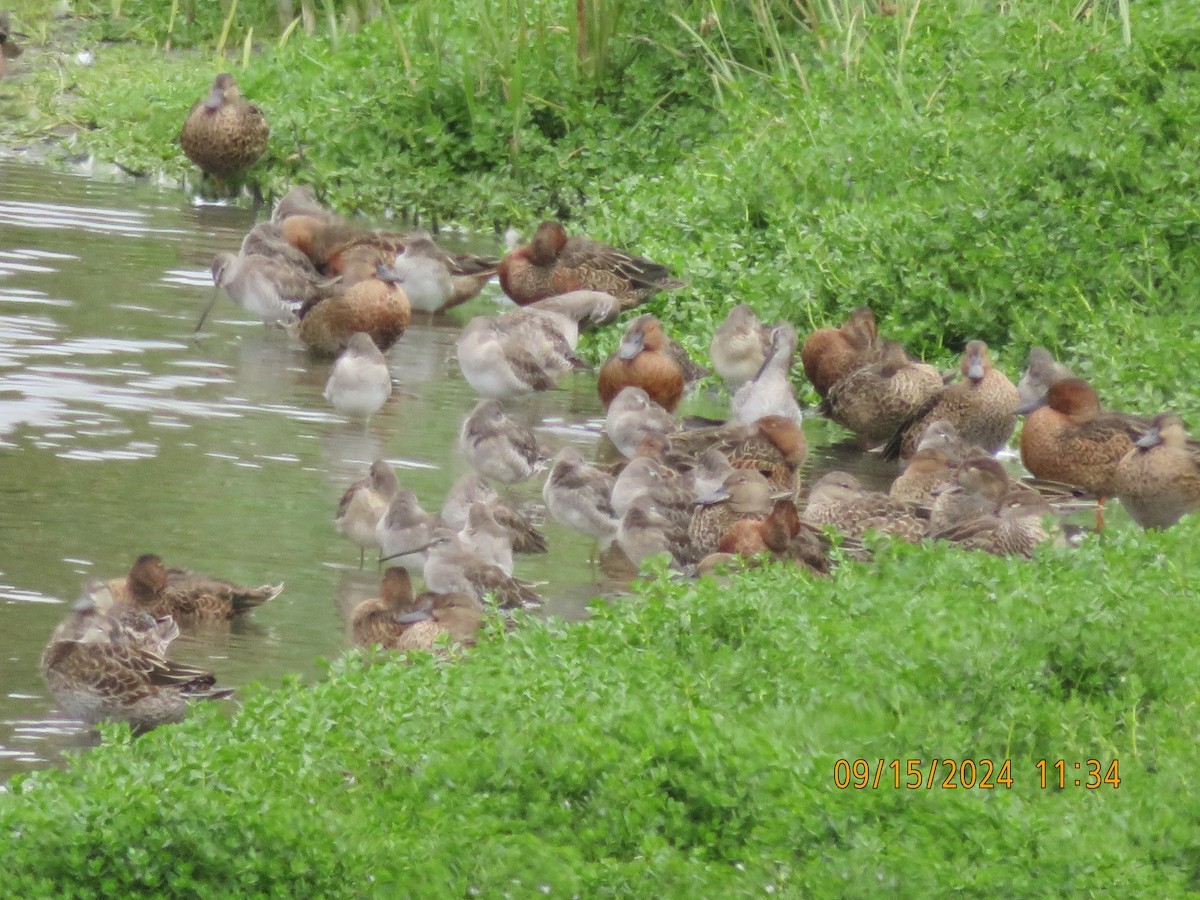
{"x":208,"y":308}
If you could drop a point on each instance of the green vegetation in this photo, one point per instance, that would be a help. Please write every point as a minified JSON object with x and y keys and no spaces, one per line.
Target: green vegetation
{"x":1020,"y":176}
{"x":1014,"y":175}
{"x":683,"y":743}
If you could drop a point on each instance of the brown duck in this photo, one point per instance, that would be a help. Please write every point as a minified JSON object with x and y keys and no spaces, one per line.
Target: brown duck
{"x":185,"y":595}
{"x":223,"y":134}
{"x":746,"y":494}
{"x":396,"y":620}
{"x":553,"y":263}
{"x":1158,"y":481}
{"x":982,"y":407}
{"x":376,"y":306}
{"x":874,"y":400}
{"x":830,"y":354}
{"x":648,"y":359}
{"x":838,"y":499}
{"x":103,"y":668}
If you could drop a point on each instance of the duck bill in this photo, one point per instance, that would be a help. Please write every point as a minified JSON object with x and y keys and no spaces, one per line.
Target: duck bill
{"x":387,"y":273}
{"x":630,"y":347}
{"x":417,"y":615}
{"x":207,"y":309}
{"x":1152,"y":438}
{"x":713,"y":496}
{"x":84,"y":604}
{"x":214,"y":99}
{"x":1029,"y":406}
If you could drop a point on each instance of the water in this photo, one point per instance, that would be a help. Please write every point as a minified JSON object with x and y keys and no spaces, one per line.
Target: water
{"x":121,"y":433}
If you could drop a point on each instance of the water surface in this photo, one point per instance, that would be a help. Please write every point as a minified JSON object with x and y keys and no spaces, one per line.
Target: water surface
{"x":122,"y":433}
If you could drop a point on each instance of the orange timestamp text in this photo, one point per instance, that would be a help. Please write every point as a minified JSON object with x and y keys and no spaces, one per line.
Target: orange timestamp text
{"x":968,"y":774}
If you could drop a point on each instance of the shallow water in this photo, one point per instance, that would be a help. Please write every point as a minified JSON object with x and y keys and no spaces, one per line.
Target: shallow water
{"x":122,"y":433}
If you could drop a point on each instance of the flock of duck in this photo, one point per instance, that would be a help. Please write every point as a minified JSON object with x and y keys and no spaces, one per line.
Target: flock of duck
{"x":703,"y":492}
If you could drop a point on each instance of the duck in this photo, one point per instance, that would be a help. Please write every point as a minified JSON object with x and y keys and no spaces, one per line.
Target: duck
{"x":9,"y":49}
{"x":632,"y":417}
{"x":1067,"y":437}
{"x":975,"y":488}
{"x":182,"y":594}
{"x":648,"y":359}
{"x":578,"y":495}
{"x":941,"y":435}
{"x":337,"y":247}
{"x":838,"y":499}
{"x":404,"y":530}
{"x":396,"y":620}
{"x":552,"y":263}
{"x":436,"y":281}
{"x":982,"y":407}
{"x":363,"y":504}
{"x":223,"y":134}
{"x":782,"y":534}
{"x":1158,"y":480}
{"x":361,"y":381}
{"x":379,"y":620}
{"x":498,"y":364}
{"x":1015,"y":528}
{"x":102,"y":668}
{"x":770,"y":391}
{"x":928,"y":469}
{"x":874,"y":400}
{"x":470,"y":489}
{"x":497,"y":446}
{"x":745,"y":494}
{"x":451,"y":568}
{"x":739,"y":347}
{"x":830,"y":354}
{"x":376,"y":307}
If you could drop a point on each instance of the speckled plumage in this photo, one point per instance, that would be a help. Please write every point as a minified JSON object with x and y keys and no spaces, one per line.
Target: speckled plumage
{"x":554,"y":264}
{"x":1158,"y":481}
{"x":746,"y":494}
{"x":102,"y":668}
{"x":185,"y":595}
{"x":838,"y":499}
{"x":875,"y":400}
{"x":982,"y":407}
{"x":1072,"y":440}
{"x":223,"y":134}
{"x":926,"y":471}
{"x":375,"y":307}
